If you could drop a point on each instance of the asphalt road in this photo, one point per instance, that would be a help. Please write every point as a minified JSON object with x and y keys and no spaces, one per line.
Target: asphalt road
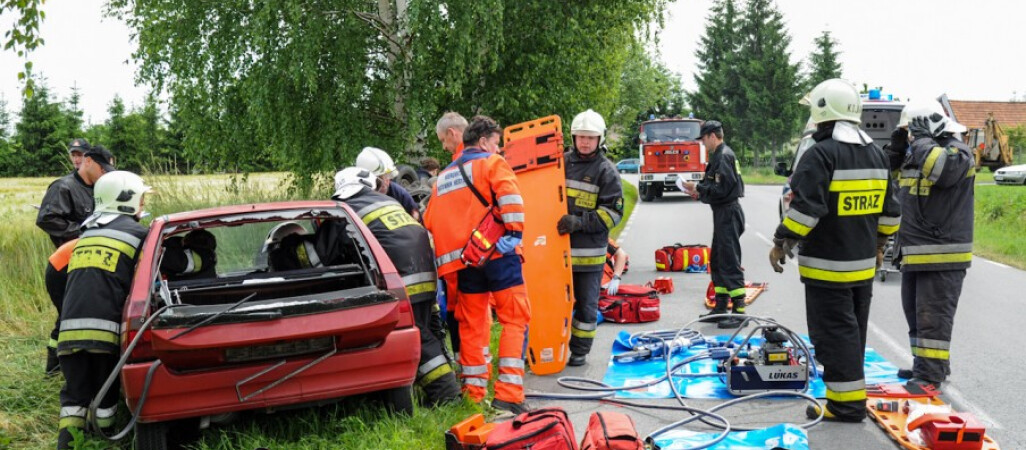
{"x":987,"y":363}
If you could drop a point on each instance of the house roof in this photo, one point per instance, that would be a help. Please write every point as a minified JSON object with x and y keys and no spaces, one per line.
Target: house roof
{"x":973,"y":114}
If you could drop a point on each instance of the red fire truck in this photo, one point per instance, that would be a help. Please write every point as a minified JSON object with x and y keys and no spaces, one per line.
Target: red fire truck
{"x":669,"y":149}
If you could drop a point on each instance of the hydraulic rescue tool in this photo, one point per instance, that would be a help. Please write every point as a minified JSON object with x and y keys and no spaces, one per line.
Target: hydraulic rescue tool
{"x":773,"y":366}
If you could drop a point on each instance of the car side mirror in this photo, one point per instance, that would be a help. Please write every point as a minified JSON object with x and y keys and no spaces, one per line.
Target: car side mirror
{"x":782,"y":169}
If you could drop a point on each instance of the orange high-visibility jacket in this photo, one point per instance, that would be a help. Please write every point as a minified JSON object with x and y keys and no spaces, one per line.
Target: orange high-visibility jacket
{"x":454,"y":211}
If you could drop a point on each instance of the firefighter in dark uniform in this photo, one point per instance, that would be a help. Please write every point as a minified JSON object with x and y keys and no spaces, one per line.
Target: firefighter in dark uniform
{"x":934,"y":248}
{"x":68,"y":202}
{"x":69,"y":199}
{"x":409,"y":247}
{"x":720,"y":189}
{"x":595,"y":206}
{"x":844,"y":208}
{"x":191,"y":257}
{"x":99,"y":276}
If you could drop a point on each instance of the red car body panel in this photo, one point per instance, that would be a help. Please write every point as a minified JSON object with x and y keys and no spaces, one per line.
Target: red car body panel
{"x":377,"y":345}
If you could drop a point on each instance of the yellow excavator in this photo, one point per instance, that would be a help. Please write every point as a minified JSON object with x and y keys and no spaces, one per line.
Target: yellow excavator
{"x":991,"y":145}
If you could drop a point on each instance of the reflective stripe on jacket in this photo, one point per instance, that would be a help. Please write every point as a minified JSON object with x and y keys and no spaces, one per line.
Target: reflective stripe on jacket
{"x":844,"y":198}
{"x":99,"y":277}
{"x":453,"y":211}
{"x":405,"y":241}
{"x":595,"y":194}
{"x":937,"y":195}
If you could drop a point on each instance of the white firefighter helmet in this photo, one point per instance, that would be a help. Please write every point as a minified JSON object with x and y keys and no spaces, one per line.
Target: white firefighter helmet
{"x":377,"y":162}
{"x":834,"y":99}
{"x":119,"y":192}
{"x":589,"y":123}
{"x":932,"y":110}
{"x":281,"y":230}
{"x":351,"y":180}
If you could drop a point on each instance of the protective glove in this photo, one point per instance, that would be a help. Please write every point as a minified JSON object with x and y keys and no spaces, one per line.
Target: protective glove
{"x":782,"y":249}
{"x":881,"y":243}
{"x":569,"y":223}
{"x":919,"y":127}
{"x":507,"y":244}
{"x":899,"y":141}
{"x":613,"y":286}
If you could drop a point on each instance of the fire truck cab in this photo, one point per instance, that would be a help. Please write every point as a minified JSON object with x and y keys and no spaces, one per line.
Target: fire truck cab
{"x":669,"y":149}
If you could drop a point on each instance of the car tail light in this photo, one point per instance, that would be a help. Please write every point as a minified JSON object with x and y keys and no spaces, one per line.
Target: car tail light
{"x":395,"y":284}
{"x":144,"y":349}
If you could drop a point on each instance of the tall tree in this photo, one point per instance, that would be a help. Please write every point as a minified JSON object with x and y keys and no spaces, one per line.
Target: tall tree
{"x":769,"y":81}
{"x":42,"y":137}
{"x":6,"y":145}
{"x":823,"y":62}
{"x":719,"y":87}
{"x":306,"y":84}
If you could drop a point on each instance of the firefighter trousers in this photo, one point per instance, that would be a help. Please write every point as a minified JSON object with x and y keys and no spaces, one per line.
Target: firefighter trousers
{"x":502,"y":281}
{"x":434,"y":374}
{"x":587,"y":287}
{"x":930,"y":300}
{"x":725,"y":252}
{"x":55,"y":282}
{"x":837,"y":320}
{"x":84,"y":375}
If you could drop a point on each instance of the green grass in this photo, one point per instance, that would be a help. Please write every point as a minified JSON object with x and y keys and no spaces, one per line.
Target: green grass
{"x":761,"y":175}
{"x":630,"y":199}
{"x":1000,"y":228}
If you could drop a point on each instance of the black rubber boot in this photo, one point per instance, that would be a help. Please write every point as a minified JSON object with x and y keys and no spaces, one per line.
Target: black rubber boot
{"x":53,"y":364}
{"x":577,"y":360}
{"x":720,"y":308}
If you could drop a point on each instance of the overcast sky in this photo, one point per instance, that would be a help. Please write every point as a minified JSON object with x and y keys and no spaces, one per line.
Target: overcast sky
{"x":913,"y":48}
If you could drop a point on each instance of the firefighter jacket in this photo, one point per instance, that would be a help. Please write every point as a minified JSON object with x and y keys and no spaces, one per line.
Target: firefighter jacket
{"x":844,"y":198}
{"x":405,"y":241}
{"x":454,"y":211}
{"x":722,"y":183}
{"x":594,"y":194}
{"x":937,"y":181}
{"x":67,"y":202}
{"x":99,"y":277}
{"x":184,"y":262}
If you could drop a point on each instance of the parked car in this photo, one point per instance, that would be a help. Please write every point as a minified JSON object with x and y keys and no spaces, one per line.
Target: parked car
{"x":1011,"y":175}
{"x":263,"y":334}
{"x":879,"y":119}
{"x":628,"y":165}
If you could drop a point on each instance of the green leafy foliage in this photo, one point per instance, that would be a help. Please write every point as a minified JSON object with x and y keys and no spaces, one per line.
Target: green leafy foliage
{"x":24,"y":36}
{"x":305,"y":85}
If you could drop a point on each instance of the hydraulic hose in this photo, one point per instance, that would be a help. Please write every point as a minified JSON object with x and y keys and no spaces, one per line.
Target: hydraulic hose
{"x":95,"y":404}
{"x":597,"y":390}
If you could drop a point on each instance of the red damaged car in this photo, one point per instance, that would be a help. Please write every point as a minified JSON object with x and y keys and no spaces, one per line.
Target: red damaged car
{"x":271,"y":325}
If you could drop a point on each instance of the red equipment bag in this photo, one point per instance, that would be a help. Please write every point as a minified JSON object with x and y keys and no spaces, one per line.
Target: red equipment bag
{"x":662,"y":259}
{"x":481,"y":244}
{"x":611,"y":431}
{"x":541,"y":429}
{"x":662,"y":285}
{"x":631,"y":304}
{"x":691,"y":258}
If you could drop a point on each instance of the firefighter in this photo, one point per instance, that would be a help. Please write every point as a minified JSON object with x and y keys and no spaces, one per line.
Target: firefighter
{"x":56,"y":279}
{"x":191,"y":257}
{"x":844,"y":208}
{"x":458,"y":204}
{"x":409,"y":247}
{"x":69,"y":199}
{"x":381,"y":165}
{"x":720,"y":189}
{"x":99,"y":276}
{"x":934,"y":248}
{"x":595,"y":206}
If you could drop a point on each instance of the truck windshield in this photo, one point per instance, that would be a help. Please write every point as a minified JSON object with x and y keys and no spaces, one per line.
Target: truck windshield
{"x":670,"y":132}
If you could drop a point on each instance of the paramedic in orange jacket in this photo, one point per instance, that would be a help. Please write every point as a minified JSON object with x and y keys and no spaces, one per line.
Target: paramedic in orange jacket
{"x":451,"y":216}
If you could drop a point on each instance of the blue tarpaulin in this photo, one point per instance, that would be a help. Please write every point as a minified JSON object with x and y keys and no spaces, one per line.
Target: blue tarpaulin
{"x":877,"y":370}
{"x":785,"y":435}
